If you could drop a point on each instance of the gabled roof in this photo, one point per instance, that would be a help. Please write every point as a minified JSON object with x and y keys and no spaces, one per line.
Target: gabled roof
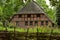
{"x":31,"y":7}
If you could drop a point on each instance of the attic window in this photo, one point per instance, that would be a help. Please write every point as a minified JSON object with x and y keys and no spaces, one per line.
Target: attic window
{"x":20,"y":16}
{"x":38,"y":15}
{"x":29,"y":15}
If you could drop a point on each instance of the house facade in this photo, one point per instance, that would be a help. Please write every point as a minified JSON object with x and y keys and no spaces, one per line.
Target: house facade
{"x":31,"y":15}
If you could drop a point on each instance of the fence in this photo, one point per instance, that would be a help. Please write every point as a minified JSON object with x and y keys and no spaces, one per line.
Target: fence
{"x":24,"y":36}
{"x":5,"y":35}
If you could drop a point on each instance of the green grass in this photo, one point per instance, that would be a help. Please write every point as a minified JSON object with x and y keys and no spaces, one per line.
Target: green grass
{"x":33,"y":30}
{"x":2,"y":28}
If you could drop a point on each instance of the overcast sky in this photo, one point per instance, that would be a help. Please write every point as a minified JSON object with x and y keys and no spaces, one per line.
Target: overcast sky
{"x":47,"y":2}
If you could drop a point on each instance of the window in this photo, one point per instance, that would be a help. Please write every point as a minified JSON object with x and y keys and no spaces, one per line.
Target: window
{"x":46,"y":22}
{"x":52,"y":24}
{"x":38,"y":15}
{"x":42,"y":16}
{"x":20,"y":16}
{"x":32,"y":15}
{"x":42,"y":23}
{"x":26,"y":23}
{"x":58,"y":21}
{"x":29,"y":15}
{"x":17,"y":23}
{"x":31,"y":22}
{"x":25,"y":16}
{"x":36,"y":23}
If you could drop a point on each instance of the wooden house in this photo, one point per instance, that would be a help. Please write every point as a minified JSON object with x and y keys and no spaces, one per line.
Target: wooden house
{"x":31,"y":15}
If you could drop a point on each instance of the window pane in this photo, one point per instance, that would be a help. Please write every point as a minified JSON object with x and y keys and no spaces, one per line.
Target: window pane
{"x":36,"y":23}
{"x":31,"y":22}
{"x":25,"y":15}
{"x":42,"y":23}
{"x":20,"y":16}
{"x":29,"y":15}
{"x":42,"y":16}
{"x":26,"y":23}
{"x":38,"y":15}
{"x":17,"y":23}
{"x":46,"y":22}
{"x":32,"y":15}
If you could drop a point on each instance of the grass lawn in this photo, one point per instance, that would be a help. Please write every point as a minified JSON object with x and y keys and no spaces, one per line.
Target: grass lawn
{"x":33,"y":30}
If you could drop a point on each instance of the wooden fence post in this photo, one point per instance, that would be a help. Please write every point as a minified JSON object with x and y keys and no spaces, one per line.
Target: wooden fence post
{"x":14,"y":33}
{"x":27,"y":34}
{"x":51,"y":34}
{"x":37,"y":33}
{"x":5,"y":25}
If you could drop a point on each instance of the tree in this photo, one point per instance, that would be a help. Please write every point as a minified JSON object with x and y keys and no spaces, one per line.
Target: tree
{"x":56,"y":3}
{"x":8,"y":8}
{"x":50,"y":12}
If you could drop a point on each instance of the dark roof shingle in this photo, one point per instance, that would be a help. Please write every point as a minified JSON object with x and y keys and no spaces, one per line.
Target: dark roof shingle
{"x":32,"y":7}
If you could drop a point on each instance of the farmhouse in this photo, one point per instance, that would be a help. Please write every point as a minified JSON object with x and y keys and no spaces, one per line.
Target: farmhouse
{"x":31,"y":15}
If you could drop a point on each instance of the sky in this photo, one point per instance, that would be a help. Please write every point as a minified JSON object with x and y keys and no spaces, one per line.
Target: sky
{"x":47,"y":2}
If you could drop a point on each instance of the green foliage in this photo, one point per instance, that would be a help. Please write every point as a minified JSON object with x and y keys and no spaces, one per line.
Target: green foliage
{"x":56,"y":3}
{"x":1,"y":24}
{"x":21,"y":30}
{"x":9,"y":7}
{"x":2,"y":28}
{"x":32,"y":30}
{"x":49,"y":11}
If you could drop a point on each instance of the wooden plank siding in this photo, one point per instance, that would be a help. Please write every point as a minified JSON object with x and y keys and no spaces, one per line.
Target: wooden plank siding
{"x":33,"y":18}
